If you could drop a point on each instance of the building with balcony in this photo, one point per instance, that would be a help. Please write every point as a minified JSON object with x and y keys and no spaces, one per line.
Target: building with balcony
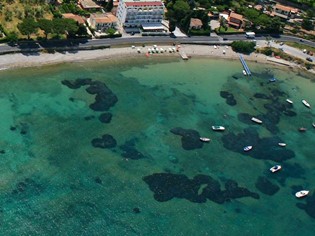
{"x":284,"y":12}
{"x":102,"y":21}
{"x":235,"y":20}
{"x":145,"y":14}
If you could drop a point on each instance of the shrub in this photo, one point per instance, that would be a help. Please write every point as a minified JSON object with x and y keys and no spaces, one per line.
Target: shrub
{"x":243,"y":47}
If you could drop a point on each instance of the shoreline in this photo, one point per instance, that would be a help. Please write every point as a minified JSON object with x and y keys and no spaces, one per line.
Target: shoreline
{"x":19,"y":60}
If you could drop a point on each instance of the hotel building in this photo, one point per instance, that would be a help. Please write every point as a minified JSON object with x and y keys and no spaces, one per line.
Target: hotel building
{"x":145,"y":14}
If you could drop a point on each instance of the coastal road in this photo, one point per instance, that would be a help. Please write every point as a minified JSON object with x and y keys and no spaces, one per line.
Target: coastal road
{"x":83,"y":43}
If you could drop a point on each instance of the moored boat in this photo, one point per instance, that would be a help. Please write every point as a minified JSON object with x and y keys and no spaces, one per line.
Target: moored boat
{"x":282,"y":144}
{"x":302,"y":193}
{"x":218,"y":128}
{"x":306,"y":103}
{"x":247,"y":148}
{"x":244,"y":72}
{"x":273,"y":79}
{"x":256,"y":120}
{"x":204,"y":139}
{"x":289,"y":101}
{"x":275,"y":168}
{"x":313,"y":124}
{"x":302,"y":129}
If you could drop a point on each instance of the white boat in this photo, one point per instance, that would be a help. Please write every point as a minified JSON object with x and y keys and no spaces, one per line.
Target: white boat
{"x":313,"y":124}
{"x":248,"y":148}
{"x":282,"y":144}
{"x":218,"y":128}
{"x":204,"y":139}
{"x":256,"y":120}
{"x":289,"y":101}
{"x":302,"y":193}
{"x":306,"y":104}
{"x":275,"y":168}
{"x":244,"y":72}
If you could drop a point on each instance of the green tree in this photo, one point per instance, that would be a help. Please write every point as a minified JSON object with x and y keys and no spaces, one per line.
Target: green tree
{"x":109,"y":6}
{"x":46,"y":26}
{"x":172,"y":24}
{"x":243,"y":47}
{"x":181,"y":9}
{"x":62,"y":25}
{"x":223,"y":23}
{"x":307,"y":24}
{"x":27,"y":27}
{"x":12,"y":38}
{"x":110,"y":31}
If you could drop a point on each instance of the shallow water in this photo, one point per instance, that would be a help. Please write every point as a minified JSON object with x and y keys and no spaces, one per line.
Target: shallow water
{"x":53,"y":181}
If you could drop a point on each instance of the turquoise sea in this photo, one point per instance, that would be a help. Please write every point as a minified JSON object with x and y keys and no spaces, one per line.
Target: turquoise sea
{"x":154,"y":176}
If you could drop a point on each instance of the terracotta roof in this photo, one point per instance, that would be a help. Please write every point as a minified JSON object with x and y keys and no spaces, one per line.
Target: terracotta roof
{"x":103,"y":18}
{"x":139,"y":4}
{"x":258,"y":7}
{"x":77,"y":18}
{"x":194,"y":22}
{"x":285,"y":8}
{"x":89,"y":4}
{"x":236,"y":16}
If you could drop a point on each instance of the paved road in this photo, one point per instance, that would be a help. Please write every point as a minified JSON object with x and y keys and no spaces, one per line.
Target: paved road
{"x":141,"y":40}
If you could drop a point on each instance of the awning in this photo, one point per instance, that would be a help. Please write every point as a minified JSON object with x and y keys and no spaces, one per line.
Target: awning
{"x":153,"y":27}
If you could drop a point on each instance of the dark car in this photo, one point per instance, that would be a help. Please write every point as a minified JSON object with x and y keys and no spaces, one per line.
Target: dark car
{"x":309,"y":59}
{"x":225,"y":39}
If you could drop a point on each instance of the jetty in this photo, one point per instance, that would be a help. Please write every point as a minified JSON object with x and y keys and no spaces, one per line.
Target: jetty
{"x":183,"y":55}
{"x":246,"y":68}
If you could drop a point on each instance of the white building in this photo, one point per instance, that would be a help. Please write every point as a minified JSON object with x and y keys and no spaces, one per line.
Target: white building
{"x":147,"y":14}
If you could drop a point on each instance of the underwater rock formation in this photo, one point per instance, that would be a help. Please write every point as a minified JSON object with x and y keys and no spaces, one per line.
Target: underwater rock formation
{"x":106,"y":141}
{"x":265,"y":186}
{"x":190,"y":138}
{"x":202,"y":187}
{"x":105,"y":117}
{"x":309,"y":207}
{"x":229,"y":98}
{"x":263,"y":148}
{"x":130,"y":151}
{"x":104,"y":98}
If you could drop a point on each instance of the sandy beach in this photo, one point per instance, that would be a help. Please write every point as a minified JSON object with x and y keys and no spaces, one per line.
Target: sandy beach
{"x":38,"y":59}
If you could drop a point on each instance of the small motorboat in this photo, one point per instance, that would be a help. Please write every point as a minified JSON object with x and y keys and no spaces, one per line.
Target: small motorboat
{"x":313,"y":124}
{"x":247,"y":148}
{"x":302,"y":193}
{"x":256,"y":120}
{"x":306,"y":104}
{"x":204,"y":139}
{"x":302,"y":129}
{"x":275,"y":168}
{"x":289,"y":101}
{"x":218,"y":128}
{"x":244,"y":72}
{"x":282,"y":144}
{"x":273,"y":79}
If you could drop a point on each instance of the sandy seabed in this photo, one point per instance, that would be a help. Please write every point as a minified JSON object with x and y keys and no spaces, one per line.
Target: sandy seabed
{"x":38,"y":59}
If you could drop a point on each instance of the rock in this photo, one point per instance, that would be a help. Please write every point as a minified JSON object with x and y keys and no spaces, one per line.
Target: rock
{"x":229,"y":98}
{"x":105,"y":117}
{"x":107,"y":141}
{"x":136,"y":210}
{"x":75,"y":84}
{"x":167,"y":186}
{"x":263,"y":148}
{"x":130,"y":151}
{"x":265,"y":186}
{"x":190,"y":138}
